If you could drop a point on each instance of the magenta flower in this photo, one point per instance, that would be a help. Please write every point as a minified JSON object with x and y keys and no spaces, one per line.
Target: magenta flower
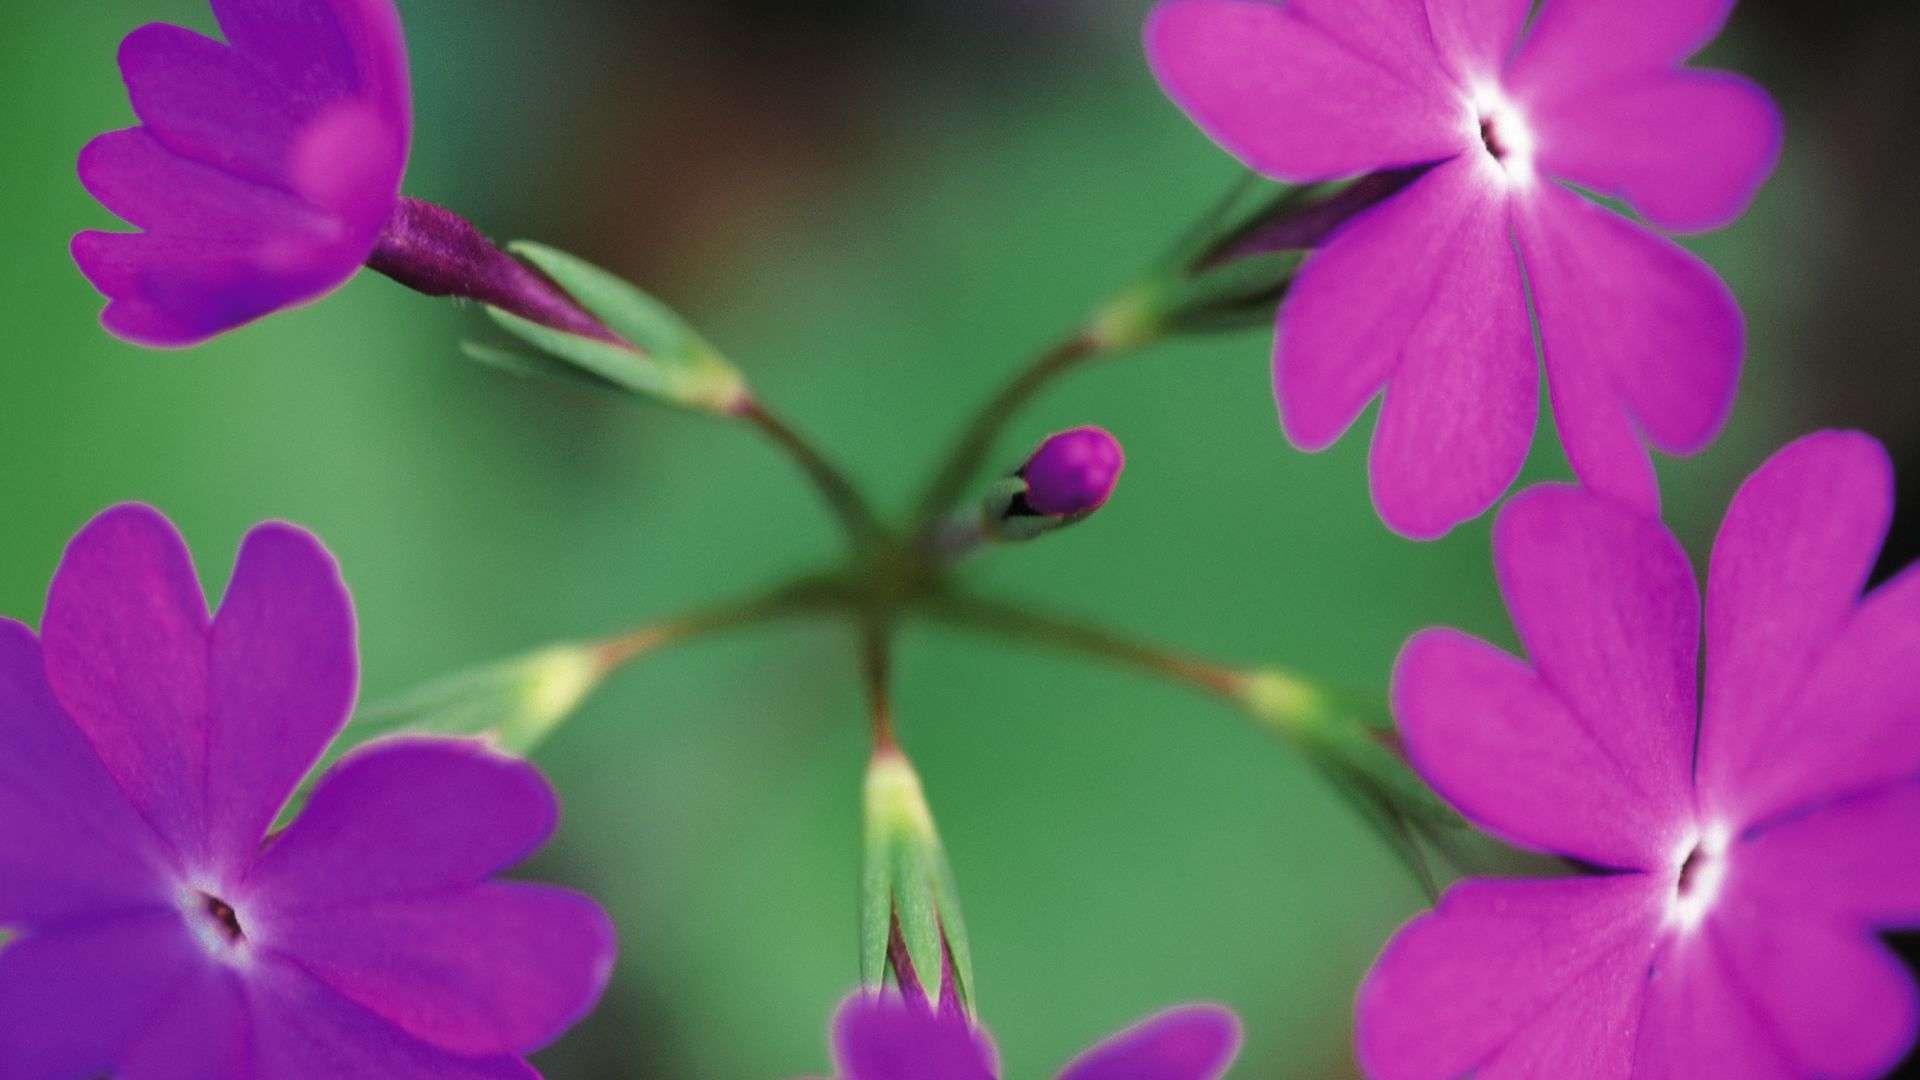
{"x":1747,"y":845}
{"x":886,"y":1038}
{"x":1073,"y":472}
{"x":1426,"y":295}
{"x":146,"y":749}
{"x":264,"y":169}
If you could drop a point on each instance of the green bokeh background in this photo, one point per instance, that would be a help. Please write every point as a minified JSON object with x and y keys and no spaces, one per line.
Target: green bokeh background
{"x":877,"y":238}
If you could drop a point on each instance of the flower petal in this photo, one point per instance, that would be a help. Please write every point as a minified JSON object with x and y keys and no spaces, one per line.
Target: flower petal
{"x":1392,"y":34}
{"x":1851,"y":728}
{"x":1302,"y":94}
{"x":72,"y":1002}
{"x":405,"y":816}
{"x":1848,"y":861}
{"x":1840,"y":1004}
{"x":1606,"y":607}
{"x":1502,"y":975}
{"x":202,"y":1034}
{"x":324,"y":49}
{"x":1356,"y":299}
{"x":265,"y":170}
{"x":70,"y":843}
{"x":1687,"y":149}
{"x":1476,"y":36}
{"x":173,"y":291}
{"x":1631,"y":324}
{"x":1699,"y":1020}
{"x":1194,"y":1042}
{"x":1423,"y":290}
{"x":1788,"y":568}
{"x":877,"y":1037}
{"x":1576,"y":45}
{"x":143,"y":182}
{"x":208,"y":103}
{"x":125,"y":643}
{"x":1459,"y":413}
{"x":304,"y":1031}
{"x":1755,"y":995}
{"x":283,"y":672}
{"x":495,"y":969}
{"x":1493,"y":739}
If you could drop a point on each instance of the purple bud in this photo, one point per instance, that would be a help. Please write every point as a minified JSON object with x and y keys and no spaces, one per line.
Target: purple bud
{"x":1073,"y":472}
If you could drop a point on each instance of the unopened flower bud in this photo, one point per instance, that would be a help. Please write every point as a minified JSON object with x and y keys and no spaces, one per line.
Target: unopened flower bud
{"x":1070,"y":476}
{"x":1073,"y":472}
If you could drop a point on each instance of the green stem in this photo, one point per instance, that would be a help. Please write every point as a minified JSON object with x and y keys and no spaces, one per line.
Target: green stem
{"x":804,"y":595}
{"x":1364,"y":766}
{"x":1014,"y":622}
{"x":964,"y":461}
{"x":862,"y":527}
{"x":876,"y":656}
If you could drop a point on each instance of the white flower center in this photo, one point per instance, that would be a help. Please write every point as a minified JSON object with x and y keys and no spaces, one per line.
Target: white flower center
{"x":1700,"y":870}
{"x":1503,"y":132}
{"x":215,"y":923}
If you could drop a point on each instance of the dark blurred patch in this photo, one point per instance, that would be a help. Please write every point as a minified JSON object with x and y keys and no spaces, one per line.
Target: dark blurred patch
{"x":626,"y":1037}
{"x":1866,"y":369}
{"x":1848,"y":69}
{"x":718,"y":123}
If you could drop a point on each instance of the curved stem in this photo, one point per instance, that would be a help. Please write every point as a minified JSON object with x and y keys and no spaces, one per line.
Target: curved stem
{"x":622,"y":649}
{"x":863,"y":528}
{"x":1025,"y":625}
{"x":977,"y":441}
{"x":1363,"y":767}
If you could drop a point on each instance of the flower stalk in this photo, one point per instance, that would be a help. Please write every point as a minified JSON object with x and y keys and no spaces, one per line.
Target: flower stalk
{"x":1107,"y":335}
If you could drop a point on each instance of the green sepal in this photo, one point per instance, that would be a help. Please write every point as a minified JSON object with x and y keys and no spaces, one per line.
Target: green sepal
{"x":1358,"y":759}
{"x":918,"y":915}
{"x":999,"y":522}
{"x":1233,"y":296}
{"x":513,"y":706}
{"x":946,"y":899}
{"x":906,"y":880}
{"x":1000,"y":498}
{"x":663,"y":357}
{"x":619,"y":305}
{"x":1238,"y":295}
{"x":528,"y":366}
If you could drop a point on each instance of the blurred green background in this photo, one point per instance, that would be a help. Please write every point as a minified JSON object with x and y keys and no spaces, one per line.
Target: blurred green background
{"x":877,"y":208}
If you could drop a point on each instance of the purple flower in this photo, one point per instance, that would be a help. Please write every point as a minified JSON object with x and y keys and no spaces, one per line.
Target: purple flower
{"x":1747,"y":843}
{"x":145,"y":750}
{"x":262,"y":173}
{"x":883,"y":1037}
{"x":1425,"y":297}
{"x":1073,"y":472}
